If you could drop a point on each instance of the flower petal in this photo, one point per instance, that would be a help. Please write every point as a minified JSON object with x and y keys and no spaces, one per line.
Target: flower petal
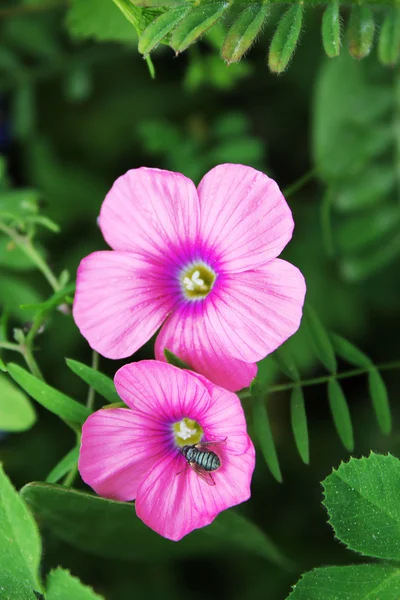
{"x":253,"y":313}
{"x":162,"y":391}
{"x":245,"y":220}
{"x":151,"y":212}
{"x":232,"y":483}
{"x":189,"y":334}
{"x":118,"y":447}
{"x":164,"y":500}
{"x":120,"y":302}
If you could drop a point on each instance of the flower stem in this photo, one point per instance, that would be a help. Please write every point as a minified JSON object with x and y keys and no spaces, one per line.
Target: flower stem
{"x":301,"y":182}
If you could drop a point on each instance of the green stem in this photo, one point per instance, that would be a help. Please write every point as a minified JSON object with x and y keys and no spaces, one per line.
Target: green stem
{"x":10,"y":346}
{"x":70,"y":478}
{"x":31,"y":362}
{"x":91,"y":392}
{"x":301,"y":182}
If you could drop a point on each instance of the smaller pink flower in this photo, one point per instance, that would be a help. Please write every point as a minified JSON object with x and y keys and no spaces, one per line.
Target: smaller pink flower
{"x":142,"y":453}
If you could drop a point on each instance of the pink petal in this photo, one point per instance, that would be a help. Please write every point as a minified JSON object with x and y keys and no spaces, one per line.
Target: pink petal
{"x":254,"y":312}
{"x":118,"y":447}
{"x":189,"y":334}
{"x":232,"y":483}
{"x":120,"y":302}
{"x":245,"y":220}
{"x":150,"y":211}
{"x":162,"y":391}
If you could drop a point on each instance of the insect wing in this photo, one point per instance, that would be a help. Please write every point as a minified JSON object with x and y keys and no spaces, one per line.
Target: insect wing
{"x":207,"y":446}
{"x":202,"y":473}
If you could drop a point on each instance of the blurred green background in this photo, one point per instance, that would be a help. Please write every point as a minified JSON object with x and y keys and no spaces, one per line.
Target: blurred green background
{"x":77,"y":113}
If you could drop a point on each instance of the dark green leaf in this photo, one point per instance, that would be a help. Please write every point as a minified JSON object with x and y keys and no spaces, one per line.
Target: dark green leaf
{"x":361,"y":232}
{"x":75,"y":516}
{"x":362,"y":498}
{"x":56,"y":402}
{"x":320,"y":339}
{"x":156,"y":31}
{"x":244,"y":31}
{"x":172,"y":359}
{"x":363,"y":265}
{"x":299,"y":423}
{"x":20,"y":546}
{"x":195,"y":23}
{"x":264,"y":435}
{"x":355,"y":582}
{"x":389,"y":38}
{"x":341,"y":414}
{"x":286,"y":363}
{"x":102,"y":384}
{"x":348,"y":352}
{"x":65,"y":465}
{"x":285,"y":39}
{"x":331,"y":30}
{"x":361,"y":31}
{"x":61,"y":585}
{"x":16,"y":411}
{"x":380,"y":402}
{"x":356,"y":193}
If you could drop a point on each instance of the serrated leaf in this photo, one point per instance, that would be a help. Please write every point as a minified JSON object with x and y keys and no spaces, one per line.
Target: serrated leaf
{"x":156,"y":31}
{"x":102,"y":384}
{"x":389,"y":38}
{"x":361,"y":31}
{"x":16,"y":411}
{"x":380,"y":401}
{"x":349,"y":352}
{"x":264,"y":435}
{"x":64,"y":466}
{"x":195,"y":23}
{"x":355,"y":582}
{"x":320,"y":340}
{"x":331,"y":30}
{"x":56,"y":402}
{"x":341,"y":414}
{"x":286,"y":363}
{"x":362,"y":499}
{"x":75,"y":516}
{"x":12,"y":588}
{"x":299,"y":423}
{"x":62,"y":585}
{"x":285,"y":39}
{"x":172,"y":359}
{"x":244,"y":31}
{"x":20,"y":545}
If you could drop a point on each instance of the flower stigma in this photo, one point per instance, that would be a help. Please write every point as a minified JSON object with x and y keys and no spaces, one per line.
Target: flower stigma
{"x":187,"y":432}
{"x":197,"y":281}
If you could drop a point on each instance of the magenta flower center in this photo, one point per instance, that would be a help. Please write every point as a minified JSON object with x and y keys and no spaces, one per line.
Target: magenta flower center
{"x":187,"y":432}
{"x":197,"y":281}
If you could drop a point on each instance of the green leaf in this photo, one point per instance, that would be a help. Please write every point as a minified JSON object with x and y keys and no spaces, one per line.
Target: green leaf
{"x":348,"y":352}
{"x":389,"y":38}
{"x":195,"y":23}
{"x":355,"y":582}
{"x":61,"y":585}
{"x":16,"y":411}
{"x":299,"y":423}
{"x":12,"y":588}
{"x":16,"y":292}
{"x":286,"y":363}
{"x":331,"y":30}
{"x":320,"y":339}
{"x":361,"y":266}
{"x":362,"y":499}
{"x":380,"y":402}
{"x":361,"y":31}
{"x":285,"y":39}
{"x":156,"y":31}
{"x":102,"y":384}
{"x":75,"y":516}
{"x":12,"y":257}
{"x":361,"y":232}
{"x":341,"y":414}
{"x":172,"y":359}
{"x":244,"y":31}
{"x":64,"y":466}
{"x":20,"y":545}
{"x":56,"y":402}
{"x":356,"y":193}
{"x":264,"y":435}
{"x":132,"y":13}
{"x":99,"y":19}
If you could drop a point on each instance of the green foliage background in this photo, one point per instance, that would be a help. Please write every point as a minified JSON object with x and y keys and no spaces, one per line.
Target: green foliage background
{"x":79,"y":108}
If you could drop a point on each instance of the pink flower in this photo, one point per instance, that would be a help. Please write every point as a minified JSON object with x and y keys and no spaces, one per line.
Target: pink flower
{"x":201,"y":263}
{"x":139,"y":453}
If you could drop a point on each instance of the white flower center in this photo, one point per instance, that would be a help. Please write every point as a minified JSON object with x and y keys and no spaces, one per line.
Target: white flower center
{"x":195,"y":283}
{"x":187,"y":432}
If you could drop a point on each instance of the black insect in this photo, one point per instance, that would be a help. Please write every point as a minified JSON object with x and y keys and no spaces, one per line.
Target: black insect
{"x":203,"y":460}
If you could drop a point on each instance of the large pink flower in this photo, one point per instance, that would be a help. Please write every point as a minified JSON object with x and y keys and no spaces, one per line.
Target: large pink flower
{"x":201,"y":263}
{"x":139,"y":453}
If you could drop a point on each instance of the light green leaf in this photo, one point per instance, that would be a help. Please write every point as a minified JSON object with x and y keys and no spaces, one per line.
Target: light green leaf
{"x":56,"y":402}
{"x":363,"y":502}
{"x":341,"y":414}
{"x":331,"y":30}
{"x":172,"y":359}
{"x":12,"y":257}
{"x":264,"y":435}
{"x":299,"y":423}
{"x":355,"y":582}
{"x":195,"y":23}
{"x":159,"y":28}
{"x":285,"y":39}
{"x":16,"y":411}
{"x":348,"y":352}
{"x":61,"y":585}
{"x":64,"y":466}
{"x":361,"y":31}
{"x":75,"y":516}
{"x":20,"y":545}
{"x":12,"y":588}
{"x":244,"y":31}
{"x":99,"y":19}
{"x":389,"y":38}
{"x":380,"y":401}
{"x":320,"y":339}
{"x":102,"y":384}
